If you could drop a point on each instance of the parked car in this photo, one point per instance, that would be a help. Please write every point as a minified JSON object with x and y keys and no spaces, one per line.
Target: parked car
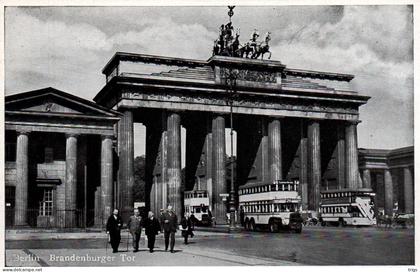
{"x":403,"y":220}
{"x":309,"y":218}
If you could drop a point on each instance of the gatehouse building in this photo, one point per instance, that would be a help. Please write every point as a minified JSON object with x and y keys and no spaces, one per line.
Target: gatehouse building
{"x":70,"y":161}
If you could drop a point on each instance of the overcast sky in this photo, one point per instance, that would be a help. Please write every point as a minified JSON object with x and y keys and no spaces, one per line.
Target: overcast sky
{"x":67,"y":47}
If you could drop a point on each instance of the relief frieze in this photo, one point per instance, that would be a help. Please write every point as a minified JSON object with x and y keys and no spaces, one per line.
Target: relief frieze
{"x":249,"y":75}
{"x":241,"y":101}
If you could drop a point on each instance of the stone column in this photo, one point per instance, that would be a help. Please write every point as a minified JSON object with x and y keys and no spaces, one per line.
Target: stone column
{"x":71,"y":180}
{"x":341,"y":157}
{"x":163,"y":195}
{"x":389,"y":201}
{"x":265,"y":161}
{"x":98,"y":221}
{"x":367,"y":183}
{"x":21,"y":197}
{"x":174,"y":162}
{"x":408,"y":191}
{"x":274,"y":150}
{"x":106,"y":177}
{"x":304,"y":164}
{"x":152,"y":197}
{"x":156,"y":161}
{"x":126,"y":164}
{"x":219,"y":167}
{"x":209,"y":164}
{"x":314,"y":158}
{"x":352,"y":165}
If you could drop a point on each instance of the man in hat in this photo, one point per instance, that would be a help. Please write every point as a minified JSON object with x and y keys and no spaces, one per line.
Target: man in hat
{"x":134,"y":225}
{"x":170,"y":223}
{"x":152,"y":227}
{"x":113,"y":228}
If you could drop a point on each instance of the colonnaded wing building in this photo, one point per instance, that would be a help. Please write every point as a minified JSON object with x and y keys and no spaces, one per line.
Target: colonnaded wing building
{"x":70,"y":161}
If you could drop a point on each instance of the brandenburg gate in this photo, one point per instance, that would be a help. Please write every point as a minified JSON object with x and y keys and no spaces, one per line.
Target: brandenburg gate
{"x":290,"y":124}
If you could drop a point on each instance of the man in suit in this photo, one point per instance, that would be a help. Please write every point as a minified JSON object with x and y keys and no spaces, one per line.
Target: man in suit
{"x":152,"y":227}
{"x":113,"y":228}
{"x":134,"y":225}
{"x":170,"y":224}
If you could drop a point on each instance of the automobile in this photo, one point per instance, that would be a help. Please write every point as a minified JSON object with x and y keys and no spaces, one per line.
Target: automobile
{"x":309,"y":218}
{"x":403,"y":220}
{"x":206,"y":220}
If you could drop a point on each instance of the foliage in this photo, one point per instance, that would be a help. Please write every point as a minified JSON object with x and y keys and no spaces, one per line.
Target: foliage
{"x":139,"y":178}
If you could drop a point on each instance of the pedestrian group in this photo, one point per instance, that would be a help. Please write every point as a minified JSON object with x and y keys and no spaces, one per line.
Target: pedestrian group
{"x":168,"y":223}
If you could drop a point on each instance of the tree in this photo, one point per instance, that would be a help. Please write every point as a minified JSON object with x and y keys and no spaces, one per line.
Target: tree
{"x":139,"y":189}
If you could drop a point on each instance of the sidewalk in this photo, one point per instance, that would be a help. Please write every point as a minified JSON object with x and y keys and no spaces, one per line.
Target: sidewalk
{"x":89,"y":233}
{"x":48,"y":235}
{"x":183,"y":256}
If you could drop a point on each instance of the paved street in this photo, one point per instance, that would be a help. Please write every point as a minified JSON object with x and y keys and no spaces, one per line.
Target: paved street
{"x":315,"y":246}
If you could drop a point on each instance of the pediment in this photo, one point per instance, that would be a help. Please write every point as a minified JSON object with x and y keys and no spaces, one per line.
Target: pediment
{"x":53,"y":101}
{"x":51,"y":106}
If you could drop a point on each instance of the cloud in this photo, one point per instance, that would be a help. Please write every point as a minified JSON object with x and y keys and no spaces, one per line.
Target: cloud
{"x":73,"y":54}
{"x":68,"y":47}
{"x":374,"y":44}
{"x":165,"y":37}
{"x":66,"y":53}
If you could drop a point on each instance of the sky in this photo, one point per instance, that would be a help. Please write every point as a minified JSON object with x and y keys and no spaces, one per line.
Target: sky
{"x":67,"y":47}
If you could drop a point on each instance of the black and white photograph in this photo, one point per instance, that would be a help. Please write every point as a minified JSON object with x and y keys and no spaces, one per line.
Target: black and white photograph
{"x":208,"y":135}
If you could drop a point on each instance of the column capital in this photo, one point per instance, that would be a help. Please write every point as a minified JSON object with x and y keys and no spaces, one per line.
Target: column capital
{"x":313,"y":121}
{"x":218,"y":114}
{"x":105,"y":137}
{"x":270,"y":118}
{"x":22,"y":131}
{"x":353,"y":122}
{"x":74,"y":135}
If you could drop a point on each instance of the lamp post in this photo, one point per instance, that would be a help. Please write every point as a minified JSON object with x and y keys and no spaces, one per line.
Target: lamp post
{"x":231,"y":77}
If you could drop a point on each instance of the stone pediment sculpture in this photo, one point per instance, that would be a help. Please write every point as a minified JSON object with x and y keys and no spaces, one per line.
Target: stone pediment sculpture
{"x":227,"y":44}
{"x":52,"y":101}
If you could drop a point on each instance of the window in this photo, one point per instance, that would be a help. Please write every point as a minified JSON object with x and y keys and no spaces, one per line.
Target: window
{"x":10,"y":151}
{"x":48,"y":155}
{"x":46,"y":204}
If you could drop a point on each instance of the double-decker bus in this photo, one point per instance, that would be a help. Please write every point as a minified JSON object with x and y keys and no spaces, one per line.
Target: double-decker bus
{"x":197,"y":203}
{"x":275,"y":205}
{"x":348,"y":207}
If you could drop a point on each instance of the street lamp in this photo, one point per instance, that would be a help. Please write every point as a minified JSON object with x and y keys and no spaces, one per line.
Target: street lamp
{"x":231,"y":77}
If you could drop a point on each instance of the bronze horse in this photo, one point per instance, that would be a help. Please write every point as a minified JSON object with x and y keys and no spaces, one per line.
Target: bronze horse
{"x":245,"y":50}
{"x":262,"y":48}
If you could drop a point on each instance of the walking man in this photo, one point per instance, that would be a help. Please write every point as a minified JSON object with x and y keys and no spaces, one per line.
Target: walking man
{"x":113,"y":228}
{"x":170,"y":224}
{"x":186,"y":227}
{"x":134,"y":225}
{"x":152,"y":227}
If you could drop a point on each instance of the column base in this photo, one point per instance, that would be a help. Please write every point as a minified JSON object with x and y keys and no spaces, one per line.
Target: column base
{"x":20,"y":226}
{"x":234,"y":229}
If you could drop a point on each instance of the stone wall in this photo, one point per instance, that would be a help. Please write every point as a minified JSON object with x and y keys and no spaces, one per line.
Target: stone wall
{"x":10,"y":173}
